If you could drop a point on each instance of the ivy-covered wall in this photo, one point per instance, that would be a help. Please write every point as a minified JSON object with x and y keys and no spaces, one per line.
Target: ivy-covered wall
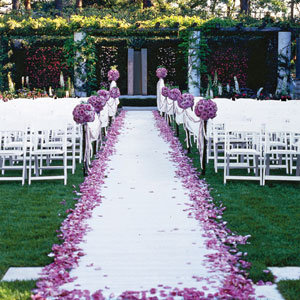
{"x":251,"y":58}
{"x":167,"y":53}
{"x":111,"y":52}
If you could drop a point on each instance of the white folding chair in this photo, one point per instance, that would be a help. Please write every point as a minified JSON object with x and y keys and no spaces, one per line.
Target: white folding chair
{"x":243,"y":150}
{"x":48,"y":145}
{"x":13,"y":154}
{"x":282,"y":154}
{"x":295,"y":159}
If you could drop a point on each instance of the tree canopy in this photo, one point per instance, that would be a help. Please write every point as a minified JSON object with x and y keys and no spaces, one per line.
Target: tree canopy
{"x":205,"y":8}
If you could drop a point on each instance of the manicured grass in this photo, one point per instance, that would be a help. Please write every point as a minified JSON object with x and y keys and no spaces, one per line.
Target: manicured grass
{"x":270,"y":214}
{"x":290,"y":289}
{"x":30,"y":216}
{"x":17,"y":290}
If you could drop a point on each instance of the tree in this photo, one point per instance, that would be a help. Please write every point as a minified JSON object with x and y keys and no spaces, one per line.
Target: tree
{"x":245,"y":7}
{"x":15,"y":4}
{"x":59,"y":5}
{"x":28,"y":4}
{"x":147,"y":3}
{"x":79,"y":4}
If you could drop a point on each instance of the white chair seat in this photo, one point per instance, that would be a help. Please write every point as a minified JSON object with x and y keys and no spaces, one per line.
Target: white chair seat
{"x":11,"y":152}
{"x":243,"y":151}
{"x":47,"y":151}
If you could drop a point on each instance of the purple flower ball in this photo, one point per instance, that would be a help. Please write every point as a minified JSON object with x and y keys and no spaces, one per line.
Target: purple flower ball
{"x":165,"y":91}
{"x":98,"y":102}
{"x":186,"y":101}
{"x":174,"y":94}
{"x":115,"y":92}
{"x":83,"y":113}
{"x":206,"y":109}
{"x":104,"y":93}
{"x":161,"y":73}
{"x":113,"y":75}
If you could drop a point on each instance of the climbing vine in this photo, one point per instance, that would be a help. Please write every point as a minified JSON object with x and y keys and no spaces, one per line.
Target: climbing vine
{"x":6,"y":66}
{"x":81,"y":56}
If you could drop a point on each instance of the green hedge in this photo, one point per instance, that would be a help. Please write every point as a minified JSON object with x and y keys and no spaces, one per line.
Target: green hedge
{"x":113,"y":26}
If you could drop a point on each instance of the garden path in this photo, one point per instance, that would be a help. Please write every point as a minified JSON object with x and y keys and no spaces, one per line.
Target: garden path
{"x":141,"y":236}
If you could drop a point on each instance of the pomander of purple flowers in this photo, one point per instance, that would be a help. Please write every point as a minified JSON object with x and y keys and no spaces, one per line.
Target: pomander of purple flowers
{"x":165,"y":91}
{"x":113,"y":75}
{"x":115,"y":92}
{"x":206,"y":109}
{"x":186,"y":101}
{"x":161,"y":73}
{"x":97,"y":103}
{"x":104,"y":93}
{"x":83,"y":113}
{"x":174,"y":94}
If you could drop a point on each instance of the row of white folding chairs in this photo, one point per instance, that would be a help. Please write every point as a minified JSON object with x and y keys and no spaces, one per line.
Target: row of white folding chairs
{"x":261,"y":150}
{"x":35,"y":150}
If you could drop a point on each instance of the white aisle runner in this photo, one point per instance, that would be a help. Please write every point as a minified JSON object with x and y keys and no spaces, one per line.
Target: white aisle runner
{"x":141,"y":236}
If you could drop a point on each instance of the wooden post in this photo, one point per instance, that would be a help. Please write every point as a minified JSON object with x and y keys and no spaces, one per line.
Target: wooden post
{"x":177,"y":129}
{"x":188,"y":142}
{"x":204,"y":151}
{"x":85,"y":162}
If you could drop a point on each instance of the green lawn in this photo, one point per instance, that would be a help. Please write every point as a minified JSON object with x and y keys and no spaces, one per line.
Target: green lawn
{"x":290,"y":289}
{"x":270,"y":214}
{"x":30,"y":216}
{"x":17,"y":290}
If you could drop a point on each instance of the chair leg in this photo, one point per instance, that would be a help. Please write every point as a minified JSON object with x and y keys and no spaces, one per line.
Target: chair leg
{"x":24,"y":171}
{"x":226,"y":167}
{"x":65,"y":168}
{"x":256,"y":165}
{"x":267,"y":166}
{"x":36,"y":165}
{"x":261,"y":171}
{"x":29,"y":170}
{"x":298,"y":165}
{"x":216,"y":159}
{"x":2,"y":161}
{"x":73,"y":159}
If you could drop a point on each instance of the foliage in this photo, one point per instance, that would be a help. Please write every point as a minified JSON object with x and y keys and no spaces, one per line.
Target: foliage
{"x":23,"y":93}
{"x":81,"y":56}
{"x":30,"y":217}
{"x":5,"y":64}
{"x":227,"y":63}
{"x":136,"y":23}
{"x":43,"y":65}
